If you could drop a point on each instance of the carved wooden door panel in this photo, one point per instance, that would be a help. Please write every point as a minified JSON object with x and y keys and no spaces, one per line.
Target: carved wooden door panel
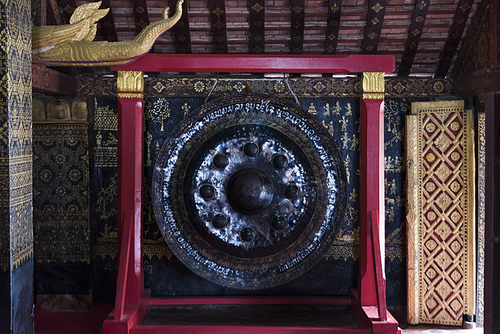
{"x":441,"y":242}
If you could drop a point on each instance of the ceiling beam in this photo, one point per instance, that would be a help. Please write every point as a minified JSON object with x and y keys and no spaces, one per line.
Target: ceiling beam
{"x":257,"y":11}
{"x":297,"y":29}
{"x":332,"y":26}
{"x":68,"y":7}
{"x":454,"y":37}
{"x":54,"y":10}
{"x":180,"y":32}
{"x":48,"y":81}
{"x":107,"y":23}
{"x":218,"y":21}
{"x":39,"y":12}
{"x":373,"y":26}
{"x":414,"y":34}
{"x":141,"y":17}
{"x":494,"y":26}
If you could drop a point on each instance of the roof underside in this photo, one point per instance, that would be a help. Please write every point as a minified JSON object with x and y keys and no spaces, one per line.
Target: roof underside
{"x":424,"y":35}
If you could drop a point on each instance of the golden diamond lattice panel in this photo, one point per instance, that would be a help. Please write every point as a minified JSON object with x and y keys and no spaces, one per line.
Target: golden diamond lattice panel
{"x":440,"y":213}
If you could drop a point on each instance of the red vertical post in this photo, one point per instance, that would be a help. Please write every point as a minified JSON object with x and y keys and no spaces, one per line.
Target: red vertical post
{"x":372,"y":181}
{"x":130,"y":86}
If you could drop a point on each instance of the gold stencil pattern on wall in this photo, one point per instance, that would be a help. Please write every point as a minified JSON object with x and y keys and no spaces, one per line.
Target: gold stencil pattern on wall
{"x":61,"y":169}
{"x":105,"y":151}
{"x":154,"y":244}
{"x":441,"y":202}
{"x":16,"y":237}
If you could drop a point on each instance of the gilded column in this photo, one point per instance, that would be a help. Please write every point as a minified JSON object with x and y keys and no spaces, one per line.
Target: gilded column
{"x":16,"y":164}
{"x":130,"y":86}
{"x":372,"y":181}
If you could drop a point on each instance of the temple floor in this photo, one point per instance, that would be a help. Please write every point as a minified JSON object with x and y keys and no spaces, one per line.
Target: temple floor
{"x":47,"y":322}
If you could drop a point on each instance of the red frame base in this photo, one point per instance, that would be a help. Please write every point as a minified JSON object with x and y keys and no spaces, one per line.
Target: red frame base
{"x":366,"y":317}
{"x":367,"y":302}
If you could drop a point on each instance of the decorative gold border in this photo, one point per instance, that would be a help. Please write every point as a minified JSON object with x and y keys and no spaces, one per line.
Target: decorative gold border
{"x":412,"y":222}
{"x":374,"y":96}
{"x":470,"y":308}
{"x":481,"y":211}
{"x":302,"y":87}
{"x":130,"y":95}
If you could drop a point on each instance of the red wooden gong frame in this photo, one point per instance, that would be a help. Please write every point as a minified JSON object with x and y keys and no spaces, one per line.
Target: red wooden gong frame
{"x":367,"y":301}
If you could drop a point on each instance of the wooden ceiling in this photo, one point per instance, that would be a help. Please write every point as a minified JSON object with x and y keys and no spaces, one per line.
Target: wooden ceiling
{"x":424,"y":35}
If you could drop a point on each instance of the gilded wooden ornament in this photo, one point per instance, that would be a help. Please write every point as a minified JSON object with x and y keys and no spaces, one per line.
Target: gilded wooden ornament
{"x":58,"y":109}
{"x":72,"y":44}
{"x":130,"y":81}
{"x":440,"y":213}
{"x":79,"y":109}
{"x":373,"y":82}
{"x":38,"y":110}
{"x":82,"y":27}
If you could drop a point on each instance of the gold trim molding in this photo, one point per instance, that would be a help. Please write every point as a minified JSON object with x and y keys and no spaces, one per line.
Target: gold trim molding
{"x":130,"y":81}
{"x":373,"y":82}
{"x":374,"y":96}
{"x":130,"y":95}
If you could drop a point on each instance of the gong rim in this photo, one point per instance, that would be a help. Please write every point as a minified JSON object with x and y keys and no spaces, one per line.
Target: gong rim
{"x":188,"y":234}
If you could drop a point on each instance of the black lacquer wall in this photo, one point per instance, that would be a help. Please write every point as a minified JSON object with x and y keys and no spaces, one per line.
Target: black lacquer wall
{"x":335,"y":102}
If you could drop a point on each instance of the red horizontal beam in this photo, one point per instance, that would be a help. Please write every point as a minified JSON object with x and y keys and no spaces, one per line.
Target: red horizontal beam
{"x":249,"y":301}
{"x":152,"y":329}
{"x":51,"y":82}
{"x":265,"y":63}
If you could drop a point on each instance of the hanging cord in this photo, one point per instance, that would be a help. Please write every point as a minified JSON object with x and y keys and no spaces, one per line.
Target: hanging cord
{"x":290,"y":88}
{"x":211,"y":90}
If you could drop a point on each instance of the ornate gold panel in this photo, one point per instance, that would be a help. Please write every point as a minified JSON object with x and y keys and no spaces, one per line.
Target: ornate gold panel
{"x":440,"y":220}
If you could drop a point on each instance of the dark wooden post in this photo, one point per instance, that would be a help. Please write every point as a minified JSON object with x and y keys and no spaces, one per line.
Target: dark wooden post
{"x":492,"y":216}
{"x":16,"y":164}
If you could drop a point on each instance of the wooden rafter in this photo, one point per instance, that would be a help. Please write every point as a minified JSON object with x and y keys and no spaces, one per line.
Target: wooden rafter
{"x":68,"y":7}
{"x":332,"y":26}
{"x":257,"y":11}
{"x":39,"y":12}
{"x":141,"y":16}
{"x":414,"y":34}
{"x":454,"y":36}
{"x":180,"y":31}
{"x":54,"y":10}
{"x":107,"y":23}
{"x":218,"y":20}
{"x":494,"y":27}
{"x":297,"y":29}
{"x":373,"y":27}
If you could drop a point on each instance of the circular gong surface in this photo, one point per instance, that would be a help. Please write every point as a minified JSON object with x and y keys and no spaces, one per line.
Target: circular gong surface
{"x":249,"y":191}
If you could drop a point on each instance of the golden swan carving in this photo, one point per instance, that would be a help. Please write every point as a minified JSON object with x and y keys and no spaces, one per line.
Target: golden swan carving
{"x":72,"y":44}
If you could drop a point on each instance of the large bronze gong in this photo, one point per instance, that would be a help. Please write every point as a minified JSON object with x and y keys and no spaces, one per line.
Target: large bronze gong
{"x":249,"y":191}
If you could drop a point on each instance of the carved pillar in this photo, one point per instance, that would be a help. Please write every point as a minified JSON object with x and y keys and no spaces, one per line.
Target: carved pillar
{"x":372,"y":181}
{"x":130,"y":86}
{"x":16,"y":192}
